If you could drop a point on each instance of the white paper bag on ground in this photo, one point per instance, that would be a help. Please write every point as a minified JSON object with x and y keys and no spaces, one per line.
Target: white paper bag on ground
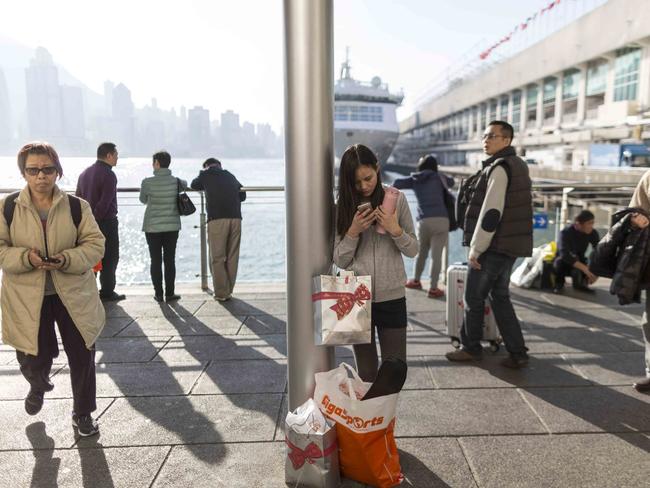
{"x":342,"y":309}
{"x":312,"y":452}
{"x":364,"y":429}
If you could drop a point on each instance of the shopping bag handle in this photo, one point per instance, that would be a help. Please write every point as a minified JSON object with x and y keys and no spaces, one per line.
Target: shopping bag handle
{"x":349,"y":369}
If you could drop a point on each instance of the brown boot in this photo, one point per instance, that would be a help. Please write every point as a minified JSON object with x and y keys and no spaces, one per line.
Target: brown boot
{"x":462,"y":355}
{"x":642,"y":386}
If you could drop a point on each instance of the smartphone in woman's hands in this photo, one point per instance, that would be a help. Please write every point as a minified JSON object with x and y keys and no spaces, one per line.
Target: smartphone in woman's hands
{"x":363,"y":207}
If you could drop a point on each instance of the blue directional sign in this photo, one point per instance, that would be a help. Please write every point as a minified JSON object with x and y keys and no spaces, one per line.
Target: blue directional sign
{"x":540,"y":220}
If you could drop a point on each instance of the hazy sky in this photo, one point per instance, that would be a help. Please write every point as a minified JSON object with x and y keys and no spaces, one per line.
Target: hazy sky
{"x":228,"y":53}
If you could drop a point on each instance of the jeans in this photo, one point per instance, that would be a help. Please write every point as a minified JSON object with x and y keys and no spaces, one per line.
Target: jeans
{"x":162,"y":247}
{"x":491,"y":281}
{"x":111,"y":256}
{"x":81,"y":360}
{"x":562,"y":270}
{"x":645,"y":326}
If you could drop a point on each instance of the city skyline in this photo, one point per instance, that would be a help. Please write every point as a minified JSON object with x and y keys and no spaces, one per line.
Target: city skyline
{"x":204,"y":52}
{"x":75,"y":119}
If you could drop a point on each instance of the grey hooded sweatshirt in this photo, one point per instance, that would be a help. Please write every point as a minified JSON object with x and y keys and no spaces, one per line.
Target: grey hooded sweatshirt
{"x":380,"y":255}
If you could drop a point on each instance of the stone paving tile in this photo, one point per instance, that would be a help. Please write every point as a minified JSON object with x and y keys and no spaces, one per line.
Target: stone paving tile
{"x":223,"y":348}
{"x":600,"y":299}
{"x":430,"y":343}
{"x":550,"y":370}
{"x":464,"y":412}
{"x":257,"y":376}
{"x":127,"y":349}
{"x":149,"y":308}
{"x":7,"y":355}
{"x":135,"y":379}
{"x":567,"y":341}
{"x":100,"y":468}
{"x":433,"y":463}
{"x":114,"y":325}
{"x":16,"y":432}
{"x":592,"y":460}
{"x":418,"y":376}
{"x":419,"y":302}
{"x":602,"y":319}
{"x":264,"y":324}
{"x":14,"y":386}
{"x":591,"y":409}
{"x":190,"y":420}
{"x":233,"y":465}
{"x":426,"y":321}
{"x":182,"y":326}
{"x":237,"y":306}
{"x":622,"y":368}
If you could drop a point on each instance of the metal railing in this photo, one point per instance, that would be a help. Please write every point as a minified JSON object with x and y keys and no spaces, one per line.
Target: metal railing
{"x":555,"y":198}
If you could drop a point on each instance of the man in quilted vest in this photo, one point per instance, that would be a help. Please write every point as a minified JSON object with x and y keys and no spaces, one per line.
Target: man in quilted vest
{"x":498,"y":226}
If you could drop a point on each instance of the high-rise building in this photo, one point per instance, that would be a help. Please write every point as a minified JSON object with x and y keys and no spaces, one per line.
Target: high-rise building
{"x":6,"y":134}
{"x":109,"y":86}
{"x":43,"y":97}
{"x":230,"y":121}
{"x":122,"y":105}
{"x":72,"y":111}
{"x":198,"y":123}
{"x":231,"y":136}
{"x":123,"y":121}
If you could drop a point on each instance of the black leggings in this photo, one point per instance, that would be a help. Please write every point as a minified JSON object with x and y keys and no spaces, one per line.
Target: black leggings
{"x":392,"y":343}
{"x":162,"y":247}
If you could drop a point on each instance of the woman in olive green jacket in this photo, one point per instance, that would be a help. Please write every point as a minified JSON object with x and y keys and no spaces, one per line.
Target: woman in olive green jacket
{"x":162,"y":223}
{"x":46,"y":259}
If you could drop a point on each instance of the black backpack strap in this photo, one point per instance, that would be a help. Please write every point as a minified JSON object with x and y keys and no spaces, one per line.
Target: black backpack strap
{"x":10,"y":206}
{"x":75,"y":210}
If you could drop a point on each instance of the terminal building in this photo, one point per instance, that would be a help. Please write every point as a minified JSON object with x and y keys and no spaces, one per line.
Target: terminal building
{"x":578,"y":98}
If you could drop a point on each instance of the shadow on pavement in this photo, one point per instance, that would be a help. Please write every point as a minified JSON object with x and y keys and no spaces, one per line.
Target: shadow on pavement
{"x":46,"y":467}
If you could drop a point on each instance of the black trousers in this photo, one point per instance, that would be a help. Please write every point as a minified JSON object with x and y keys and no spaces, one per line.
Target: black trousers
{"x":111,"y":256}
{"x":162,"y":248}
{"x":81,"y":361}
{"x":562,"y":270}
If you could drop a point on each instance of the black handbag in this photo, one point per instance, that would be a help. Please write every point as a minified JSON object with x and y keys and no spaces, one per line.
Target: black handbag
{"x":185,"y":205}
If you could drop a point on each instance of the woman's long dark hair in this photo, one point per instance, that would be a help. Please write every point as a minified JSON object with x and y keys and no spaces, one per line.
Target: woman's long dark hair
{"x":347,"y":196}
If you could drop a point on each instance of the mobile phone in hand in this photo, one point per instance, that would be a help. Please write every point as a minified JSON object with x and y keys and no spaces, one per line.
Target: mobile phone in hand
{"x":363,"y":207}
{"x":49,"y":260}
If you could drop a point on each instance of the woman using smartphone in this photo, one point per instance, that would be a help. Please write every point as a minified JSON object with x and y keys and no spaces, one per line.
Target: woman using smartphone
{"x":360,"y":248}
{"x":49,"y":242}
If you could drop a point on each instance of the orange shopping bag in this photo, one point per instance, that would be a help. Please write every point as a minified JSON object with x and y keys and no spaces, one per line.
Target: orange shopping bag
{"x":364,"y":429}
{"x":98,"y":267}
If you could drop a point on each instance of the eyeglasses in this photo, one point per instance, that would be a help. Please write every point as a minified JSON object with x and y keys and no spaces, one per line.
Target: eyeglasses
{"x":47,"y":170}
{"x":490,"y":136}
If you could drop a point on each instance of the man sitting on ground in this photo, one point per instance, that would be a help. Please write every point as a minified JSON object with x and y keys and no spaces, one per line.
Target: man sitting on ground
{"x":570,"y":259}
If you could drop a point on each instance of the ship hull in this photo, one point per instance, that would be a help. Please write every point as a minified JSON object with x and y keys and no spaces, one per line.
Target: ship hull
{"x":381,"y":142}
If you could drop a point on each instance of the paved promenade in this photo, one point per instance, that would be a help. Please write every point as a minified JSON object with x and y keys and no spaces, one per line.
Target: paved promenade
{"x":194,"y":395}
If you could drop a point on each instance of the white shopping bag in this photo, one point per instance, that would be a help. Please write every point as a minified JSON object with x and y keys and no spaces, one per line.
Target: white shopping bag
{"x":364,"y":429}
{"x":342,"y":309}
{"x":312,"y":453}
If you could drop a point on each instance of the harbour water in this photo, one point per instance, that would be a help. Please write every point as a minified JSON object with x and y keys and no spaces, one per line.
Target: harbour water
{"x":262,"y":255}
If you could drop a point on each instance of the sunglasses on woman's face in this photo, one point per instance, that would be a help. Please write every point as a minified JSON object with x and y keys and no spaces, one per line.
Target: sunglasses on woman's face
{"x":47,"y":170}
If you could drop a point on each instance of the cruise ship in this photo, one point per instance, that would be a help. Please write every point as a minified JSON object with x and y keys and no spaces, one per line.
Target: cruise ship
{"x":364,"y":113}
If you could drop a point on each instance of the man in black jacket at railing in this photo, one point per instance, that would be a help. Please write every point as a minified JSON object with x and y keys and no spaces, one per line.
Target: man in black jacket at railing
{"x":223,"y":195}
